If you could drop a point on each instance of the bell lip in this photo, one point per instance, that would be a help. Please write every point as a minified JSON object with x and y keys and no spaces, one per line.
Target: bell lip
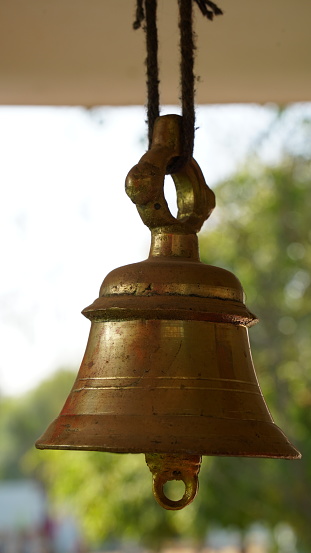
{"x":293,"y":457}
{"x":245,"y":438}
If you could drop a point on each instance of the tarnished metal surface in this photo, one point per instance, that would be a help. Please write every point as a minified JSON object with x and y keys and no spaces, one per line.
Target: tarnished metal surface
{"x":174,"y":467}
{"x":148,"y":386}
{"x":145,"y":186}
{"x":167,"y":369}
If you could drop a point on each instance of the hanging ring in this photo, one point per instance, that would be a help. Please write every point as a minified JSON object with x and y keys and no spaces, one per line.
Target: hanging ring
{"x":145,"y":183}
{"x":191,"y":488}
{"x":166,"y":467}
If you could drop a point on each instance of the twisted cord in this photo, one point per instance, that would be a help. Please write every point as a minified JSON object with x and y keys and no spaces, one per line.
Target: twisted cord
{"x":187,"y":79}
{"x":153,"y":103}
{"x":146,"y":11}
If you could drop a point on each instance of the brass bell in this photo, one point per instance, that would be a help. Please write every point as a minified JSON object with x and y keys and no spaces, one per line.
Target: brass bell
{"x":168,"y":370}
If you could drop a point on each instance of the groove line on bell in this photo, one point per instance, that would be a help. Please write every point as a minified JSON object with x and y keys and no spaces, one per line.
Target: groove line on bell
{"x":171,"y":415}
{"x":235,"y":380}
{"x":167,"y":388}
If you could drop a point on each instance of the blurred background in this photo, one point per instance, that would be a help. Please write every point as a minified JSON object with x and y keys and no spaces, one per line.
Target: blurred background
{"x":66,"y":222}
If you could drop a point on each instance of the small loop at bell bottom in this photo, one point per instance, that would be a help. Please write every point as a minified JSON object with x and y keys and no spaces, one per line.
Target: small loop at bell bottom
{"x":165,"y":468}
{"x":191,"y":488}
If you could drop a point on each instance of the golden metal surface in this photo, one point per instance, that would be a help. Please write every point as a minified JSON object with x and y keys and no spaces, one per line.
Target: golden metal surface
{"x":168,"y":369}
{"x":145,"y":186}
{"x":148,"y":386}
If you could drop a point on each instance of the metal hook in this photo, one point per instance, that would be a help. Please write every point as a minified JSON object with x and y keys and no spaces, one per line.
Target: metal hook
{"x":145,"y":184}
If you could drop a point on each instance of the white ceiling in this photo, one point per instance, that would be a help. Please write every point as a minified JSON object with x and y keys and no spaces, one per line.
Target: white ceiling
{"x":85,"y":52}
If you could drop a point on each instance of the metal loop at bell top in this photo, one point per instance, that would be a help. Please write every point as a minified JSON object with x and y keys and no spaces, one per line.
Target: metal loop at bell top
{"x":145,"y":183}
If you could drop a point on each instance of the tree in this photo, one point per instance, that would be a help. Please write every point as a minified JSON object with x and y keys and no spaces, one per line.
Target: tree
{"x":24,"y":418}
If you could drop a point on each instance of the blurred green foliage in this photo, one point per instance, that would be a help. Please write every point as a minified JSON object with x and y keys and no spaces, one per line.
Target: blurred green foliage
{"x":261,"y":232}
{"x":23,"y":418}
{"x":263,"y":236}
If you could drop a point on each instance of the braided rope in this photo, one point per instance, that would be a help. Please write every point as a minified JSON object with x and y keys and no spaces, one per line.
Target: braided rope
{"x":146,"y":10}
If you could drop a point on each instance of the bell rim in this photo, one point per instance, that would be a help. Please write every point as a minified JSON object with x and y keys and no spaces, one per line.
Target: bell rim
{"x":244,"y":438}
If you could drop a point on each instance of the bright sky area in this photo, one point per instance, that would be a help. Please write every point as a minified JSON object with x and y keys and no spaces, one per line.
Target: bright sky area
{"x":66,"y":220}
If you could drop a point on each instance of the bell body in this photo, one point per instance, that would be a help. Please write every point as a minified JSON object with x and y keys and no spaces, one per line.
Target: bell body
{"x":168,"y":368}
